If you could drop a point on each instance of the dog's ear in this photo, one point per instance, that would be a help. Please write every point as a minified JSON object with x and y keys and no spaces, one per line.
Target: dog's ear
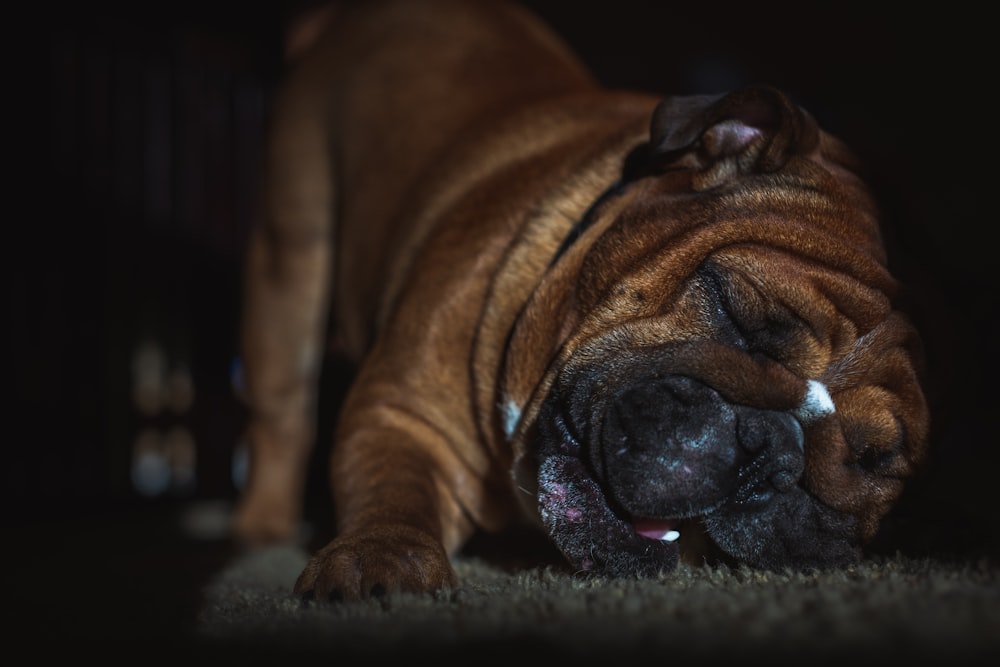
{"x":754,"y":130}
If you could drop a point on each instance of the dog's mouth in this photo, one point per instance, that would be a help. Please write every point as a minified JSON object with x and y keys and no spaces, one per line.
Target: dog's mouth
{"x":665,"y":530}
{"x":591,"y":534}
{"x":621,"y":481}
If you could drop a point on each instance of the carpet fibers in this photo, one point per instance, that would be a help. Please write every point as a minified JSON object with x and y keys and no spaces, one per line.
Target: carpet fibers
{"x":917,"y":610}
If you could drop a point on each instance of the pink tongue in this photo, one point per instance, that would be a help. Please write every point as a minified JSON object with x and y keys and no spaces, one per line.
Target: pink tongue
{"x":657,"y":529}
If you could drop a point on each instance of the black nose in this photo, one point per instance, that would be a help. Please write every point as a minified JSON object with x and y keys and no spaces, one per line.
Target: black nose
{"x":675,"y":446}
{"x":668,"y":417}
{"x":672,"y":443}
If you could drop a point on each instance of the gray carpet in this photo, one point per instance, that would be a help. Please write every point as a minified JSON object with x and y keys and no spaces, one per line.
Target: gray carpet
{"x":917,"y":610}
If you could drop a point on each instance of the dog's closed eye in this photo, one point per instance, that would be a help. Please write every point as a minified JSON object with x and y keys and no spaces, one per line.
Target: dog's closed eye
{"x":745,"y":318}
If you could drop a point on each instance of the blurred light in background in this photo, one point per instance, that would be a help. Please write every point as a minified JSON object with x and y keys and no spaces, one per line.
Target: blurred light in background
{"x":241,"y":464}
{"x":150,"y":468}
{"x":164,"y":453}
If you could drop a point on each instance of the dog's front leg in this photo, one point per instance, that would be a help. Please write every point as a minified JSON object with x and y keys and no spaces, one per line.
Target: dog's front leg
{"x":397,"y":521}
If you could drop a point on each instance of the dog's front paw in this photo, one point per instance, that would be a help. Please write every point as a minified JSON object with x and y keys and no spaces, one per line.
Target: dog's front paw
{"x":383,"y":559}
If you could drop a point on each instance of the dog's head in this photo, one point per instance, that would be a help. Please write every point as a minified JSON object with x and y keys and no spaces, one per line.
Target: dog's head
{"x":727,"y":357}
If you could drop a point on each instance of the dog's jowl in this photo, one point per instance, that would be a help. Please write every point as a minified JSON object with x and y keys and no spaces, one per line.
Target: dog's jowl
{"x":661,"y":327}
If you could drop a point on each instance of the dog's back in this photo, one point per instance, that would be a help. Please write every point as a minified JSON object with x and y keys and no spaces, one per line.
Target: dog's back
{"x":374,"y":95}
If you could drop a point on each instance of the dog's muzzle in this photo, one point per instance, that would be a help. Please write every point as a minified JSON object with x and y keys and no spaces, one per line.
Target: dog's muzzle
{"x":619,"y":470}
{"x":675,"y":448}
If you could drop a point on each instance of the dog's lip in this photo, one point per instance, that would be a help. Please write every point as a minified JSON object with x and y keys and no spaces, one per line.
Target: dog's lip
{"x":665,"y":530}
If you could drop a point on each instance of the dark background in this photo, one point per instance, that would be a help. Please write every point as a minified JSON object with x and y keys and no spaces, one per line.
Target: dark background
{"x":149,"y":152}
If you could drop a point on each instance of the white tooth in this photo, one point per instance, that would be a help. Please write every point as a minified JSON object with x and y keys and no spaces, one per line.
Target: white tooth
{"x":670,"y":536}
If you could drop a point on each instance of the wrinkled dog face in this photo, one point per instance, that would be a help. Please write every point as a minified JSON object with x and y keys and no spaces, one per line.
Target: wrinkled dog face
{"x":739,"y":365}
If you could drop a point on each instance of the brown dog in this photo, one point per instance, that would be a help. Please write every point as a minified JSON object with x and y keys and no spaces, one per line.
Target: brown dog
{"x":650,"y":323}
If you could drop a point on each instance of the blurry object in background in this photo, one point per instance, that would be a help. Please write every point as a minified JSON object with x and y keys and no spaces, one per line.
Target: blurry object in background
{"x":150,"y":469}
{"x":154,"y":126}
{"x":158,"y":385}
{"x":164,"y":459}
{"x":149,"y":371}
{"x":180,"y":390}
{"x":240,"y":464}
{"x":164,"y":462}
{"x":182,"y":456}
